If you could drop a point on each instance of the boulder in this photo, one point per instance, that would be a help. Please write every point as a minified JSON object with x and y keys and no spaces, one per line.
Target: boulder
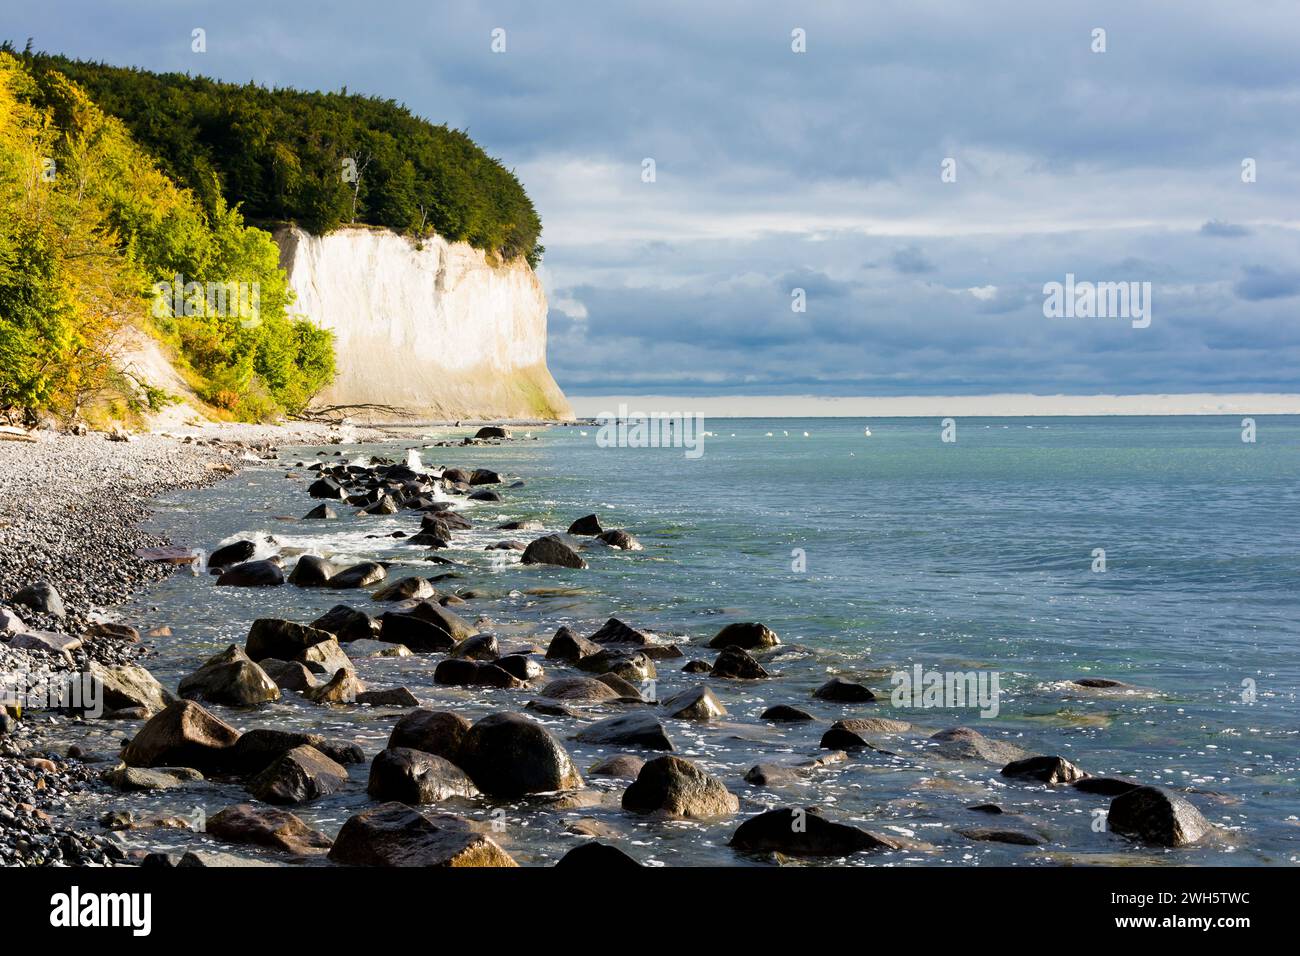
{"x":298,"y":776}
{"x":10,"y":623}
{"x":113,"y":630}
{"x":368,"y":648}
{"x":132,"y":779}
{"x":312,"y":572}
{"x":386,"y":505}
{"x":525,"y":525}
{"x":484,"y":496}
{"x":568,"y":646}
{"x":588,"y":526}
{"x":1045,"y":769}
{"x":677,"y":788}
{"x":615,"y":631}
{"x":183,"y":734}
{"x":252,"y":574}
{"x":484,"y":476}
{"x":455,"y":671}
{"x":492,"y":431}
{"x":624,"y":688}
{"x":844,"y":692}
{"x":963,"y":743}
{"x":1157,"y":816}
{"x":266,"y":826}
{"x":736,"y":664}
{"x":508,"y":755}
{"x":786,"y":714}
{"x":347,"y":624}
{"x":697,"y":667}
{"x":41,"y":596}
{"x":796,"y":832}
{"x":586,"y":689}
{"x":1105,"y":786}
{"x":388,"y":697}
{"x":404,"y":589}
{"x":393,"y":834}
{"x":628,"y":664}
{"x":416,"y":776}
{"x":874,"y":725}
{"x":359,"y":576}
{"x":480,"y":647}
{"x":552,"y":549}
{"x":129,"y":686}
{"x":283,"y":640}
{"x":618,"y":538}
{"x":439,"y":732}
{"x":230,"y":678}
{"x":425,"y":625}
{"x":257,"y":749}
{"x":521,"y":667}
{"x":232,"y":554}
{"x":697,"y":703}
{"x":342,"y":688}
{"x":637,"y":729}
{"x":325,"y":657}
{"x":321,"y":513}
{"x":326,"y":488}
{"x":288,"y":675}
{"x":748,"y":636}
{"x":1001,"y":835}
{"x":773,"y":775}
{"x":596,"y":856}
{"x":60,"y":645}
{"x":622,"y":766}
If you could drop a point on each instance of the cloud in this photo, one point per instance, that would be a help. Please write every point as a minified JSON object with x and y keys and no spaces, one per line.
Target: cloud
{"x":1223,"y":230}
{"x":912,"y":261}
{"x":1261,"y":283}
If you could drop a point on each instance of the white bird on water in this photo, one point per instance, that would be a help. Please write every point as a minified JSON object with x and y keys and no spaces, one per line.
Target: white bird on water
{"x":786,"y":434}
{"x":805,"y":434}
{"x":769,"y":434}
{"x":867,"y":432}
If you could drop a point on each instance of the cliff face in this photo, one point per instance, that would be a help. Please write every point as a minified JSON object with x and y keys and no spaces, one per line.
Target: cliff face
{"x":437,"y":332}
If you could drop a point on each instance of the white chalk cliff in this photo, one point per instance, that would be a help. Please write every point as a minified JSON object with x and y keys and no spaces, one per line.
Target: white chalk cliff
{"x":435,"y":330}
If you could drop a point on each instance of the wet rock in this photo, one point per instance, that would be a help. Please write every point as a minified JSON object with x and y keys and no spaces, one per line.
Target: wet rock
{"x":552,"y":549}
{"x":312,"y":572}
{"x":41,"y":596}
{"x":298,"y":776}
{"x":439,"y":732}
{"x":1045,"y":769}
{"x":637,"y":729}
{"x":321,"y":513}
{"x":232,"y":554}
{"x":508,"y":755}
{"x":628,"y":664}
{"x":527,"y":525}
{"x":874,"y":725}
{"x":10,"y":623}
{"x":266,"y":826}
{"x":963,"y":743}
{"x":587,"y":526}
{"x":839,"y":737}
{"x":442,"y":629}
{"x":480,"y":647}
{"x":1155,"y":815}
{"x":252,"y":574}
{"x":183,"y":734}
{"x":586,"y":689}
{"x":484,"y":476}
{"x":622,"y":766}
{"x":347,"y":624}
{"x":615,"y":631}
{"x":786,"y":713}
{"x":257,"y":749}
{"x":463,"y":673}
{"x":132,"y":779}
{"x":326,"y":488}
{"x":386,"y":505}
{"x":416,"y":776}
{"x":797,"y":832}
{"x":1099,"y":683}
{"x":61,"y":645}
{"x":1001,"y":835}
{"x":283,"y":640}
{"x":1105,"y":786}
{"x":596,"y":856}
{"x":624,"y":688}
{"x":126,"y":686}
{"x":748,"y":636}
{"x":507,"y":546}
{"x":484,"y":496}
{"x":389,"y":697}
{"x":405,"y":589}
{"x":342,"y":688}
{"x":367,"y":648}
{"x":359,"y":576}
{"x":288,"y":675}
{"x":492,"y":431}
{"x":736,"y":664}
{"x":844,"y":692}
{"x":700,"y":667}
{"x":773,"y":775}
{"x":618,"y":538}
{"x":697,"y":703}
{"x":113,"y":630}
{"x":521,"y":667}
{"x":393,"y":834}
{"x":325,"y":657}
{"x":677,"y":788}
{"x":230,"y":678}
{"x":568,"y":646}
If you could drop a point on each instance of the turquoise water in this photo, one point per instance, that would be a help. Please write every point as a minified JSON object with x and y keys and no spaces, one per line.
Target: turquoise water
{"x":973,"y":554}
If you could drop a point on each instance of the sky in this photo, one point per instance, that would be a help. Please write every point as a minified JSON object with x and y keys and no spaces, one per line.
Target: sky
{"x":823,"y":171}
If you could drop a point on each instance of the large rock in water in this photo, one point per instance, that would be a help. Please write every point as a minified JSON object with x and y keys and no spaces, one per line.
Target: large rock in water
{"x":393,"y":834}
{"x":300,"y":775}
{"x":230,"y":678}
{"x":325,"y":657}
{"x":677,"y":788}
{"x":359,"y":576}
{"x":41,"y":596}
{"x":508,"y":755}
{"x":843,"y":691}
{"x":492,"y":431}
{"x":415,"y":776}
{"x":235,"y":553}
{"x":252,"y":574}
{"x":586,"y":689}
{"x":637,"y":729}
{"x":597,"y":856}
{"x":615,"y":631}
{"x":748,"y":636}
{"x":129,"y":686}
{"x":963,"y":743}
{"x":283,"y":640}
{"x":257,"y":749}
{"x":266,"y":826}
{"x":1045,"y":769}
{"x":437,"y":732}
{"x":405,"y":589}
{"x":568,"y":646}
{"x":588,"y":526}
{"x":737,"y":664}
{"x":552,"y":549}
{"x":797,"y":832}
{"x":182,"y":735}
{"x":1155,"y":815}
{"x":425,"y":626}
{"x":347,"y":624}
{"x":312,"y":572}
{"x":697,"y":703}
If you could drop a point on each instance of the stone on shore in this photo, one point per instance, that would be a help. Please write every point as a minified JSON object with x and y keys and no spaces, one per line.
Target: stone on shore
{"x":492,"y":431}
{"x":596,"y":856}
{"x":288,"y":675}
{"x":267,"y":826}
{"x":637,"y":729}
{"x":358,"y":576}
{"x":1157,"y":816}
{"x":49,"y":642}
{"x":41,"y":596}
{"x":252,"y":574}
{"x":552,"y":549}
{"x":404,"y":589}
{"x":568,"y":646}
{"x":963,"y":743}
{"x":183,"y":734}
{"x":368,"y":648}
{"x":584,"y":689}
{"x":844,"y":692}
{"x":622,"y":766}
{"x":588,"y":526}
{"x":748,"y":636}
{"x":283,"y":640}
{"x":342,"y":688}
{"x":348,"y":624}
{"x":416,"y":776}
{"x":784,"y":713}
{"x":799,"y":832}
{"x":235,"y":553}
{"x":615,"y":631}
{"x":1045,"y":769}
{"x":508,"y":755}
{"x":630,"y":665}
{"x":129,"y":686}
{"x":312,"y":571}
{"x":298,"y":776}
{"x":438,"y":732}
{"x":130,"y":779}
{"x":677,"y":788}
{"x":618,"y":538}
{"x":457,"y":672}
{"x":10,"y":623}
{"x":521,"y":667}
{"x":697,"y":703}
{"x":425,"y":625}
{"x":321,"y":513}
{"x":256,"y":749}
{"x":480,"y":647}
{"x":737,"y":664}
{"x":393,"y":834}
{"x":1106,"y":786}
{"x":230,"y":678}
{"x":388,"y":697}
{"x":325,"y":657}
{"x":326,"y":488}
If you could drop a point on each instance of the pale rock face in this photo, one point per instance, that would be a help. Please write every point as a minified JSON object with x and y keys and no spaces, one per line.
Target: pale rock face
{"x":435,"y":330}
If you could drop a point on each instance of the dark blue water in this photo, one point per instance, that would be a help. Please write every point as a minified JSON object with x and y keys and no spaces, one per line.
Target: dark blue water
{"x":974,"y":554}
